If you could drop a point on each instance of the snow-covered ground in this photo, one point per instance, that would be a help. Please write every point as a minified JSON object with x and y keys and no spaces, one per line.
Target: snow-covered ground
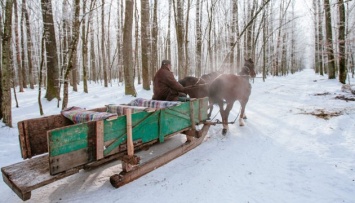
{"x":282,"y":154}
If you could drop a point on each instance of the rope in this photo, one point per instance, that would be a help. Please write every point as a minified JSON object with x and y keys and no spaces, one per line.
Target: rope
{"x":218,"y":121}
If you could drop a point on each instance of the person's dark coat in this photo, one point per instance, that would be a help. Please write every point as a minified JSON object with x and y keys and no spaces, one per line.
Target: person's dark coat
{"x":165,"y":86}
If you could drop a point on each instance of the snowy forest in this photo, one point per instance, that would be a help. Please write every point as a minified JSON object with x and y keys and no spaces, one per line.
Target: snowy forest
{"x":53,"y":46}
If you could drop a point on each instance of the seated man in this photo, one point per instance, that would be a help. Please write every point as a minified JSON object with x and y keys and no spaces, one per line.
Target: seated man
{"x":165,"y":86}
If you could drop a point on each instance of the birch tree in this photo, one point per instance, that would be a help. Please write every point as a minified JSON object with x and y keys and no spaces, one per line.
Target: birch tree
{"x":154,"y":41}
{"x":6,"y":66}
{"x":341,"y":42}
{"x":72,"y":52}
{"x":179,"y":29}
{"x":198,"y":57}
{"x":51,"y":49}
{"x":329,"y":40}
{"x":17,"y":47}
{"x":30,"y":46}
{"x":103,"y":54}
{"x":127,"y":46}
{"x":145,"y":43}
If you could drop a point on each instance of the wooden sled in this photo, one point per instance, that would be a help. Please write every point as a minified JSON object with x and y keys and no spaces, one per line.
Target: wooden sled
{"x":56,"y":148}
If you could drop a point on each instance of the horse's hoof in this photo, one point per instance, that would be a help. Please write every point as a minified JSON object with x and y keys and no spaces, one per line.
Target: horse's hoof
{"x":224,"y":131}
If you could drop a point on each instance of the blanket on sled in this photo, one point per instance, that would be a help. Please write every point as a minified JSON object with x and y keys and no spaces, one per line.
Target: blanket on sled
{"x":139,"y":105}
{"x":80,"y":115}
{"x":153,"y":103}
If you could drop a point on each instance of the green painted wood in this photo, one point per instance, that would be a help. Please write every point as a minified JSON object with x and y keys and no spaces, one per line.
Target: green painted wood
{"x":114,"y":128}
{"x":144,"y":127}
{"x":160,"y":127}
{"x":147,"y":126}
{"x":68,"y":139}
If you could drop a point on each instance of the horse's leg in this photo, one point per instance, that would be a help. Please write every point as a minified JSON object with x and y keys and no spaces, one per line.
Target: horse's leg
{"x":225,"y":116}
{"x":210,"y":107}
{"x":242,"y":113}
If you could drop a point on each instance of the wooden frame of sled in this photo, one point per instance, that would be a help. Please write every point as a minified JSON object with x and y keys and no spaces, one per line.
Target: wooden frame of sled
{"x":56,"y":148}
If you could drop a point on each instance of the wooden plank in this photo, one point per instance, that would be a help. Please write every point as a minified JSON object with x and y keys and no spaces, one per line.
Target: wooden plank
{"x":24,"y":146}
{"x":99,"y":140}
{"x":144,"y":128}
{"x":68,"y":139}
{"x":26,"y":176}
{"x":130,"y":148}
{"x":33,"y":133}
{"x":118,"y":180}
{"x":161,"y":126}
{"x":68,"y":161}
{"x":22,"y":194}
{"x":192,"y":116}
{"x":71,"y":146}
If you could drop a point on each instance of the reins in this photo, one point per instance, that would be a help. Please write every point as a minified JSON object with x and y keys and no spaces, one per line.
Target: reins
{"x":219,"y":122}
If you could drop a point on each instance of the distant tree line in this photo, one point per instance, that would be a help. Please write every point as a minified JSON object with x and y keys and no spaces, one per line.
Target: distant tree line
{"x":59,"y":44}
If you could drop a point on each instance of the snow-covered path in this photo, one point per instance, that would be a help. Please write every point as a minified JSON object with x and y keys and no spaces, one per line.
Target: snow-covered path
{"x":282,"y":154}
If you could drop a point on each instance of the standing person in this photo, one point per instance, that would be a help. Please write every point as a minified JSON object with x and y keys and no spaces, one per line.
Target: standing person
{"x":165,"y":86}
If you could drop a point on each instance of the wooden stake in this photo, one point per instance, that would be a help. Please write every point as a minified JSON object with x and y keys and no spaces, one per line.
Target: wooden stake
{"x":99,"y":139}
{"x":130,"y":148}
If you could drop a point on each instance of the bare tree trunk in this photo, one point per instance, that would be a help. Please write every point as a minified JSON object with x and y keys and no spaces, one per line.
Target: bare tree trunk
{"x":179,"y":28}
{"x":316,"y":35}
{"x":209,"y":42}
{"x":119,"y":42}
{"x":120,"y":56}
{"x":74,"y":71}
{"x":30,"y":46}
{"x":127,"y":46}
{"x":341,"y":41}
{"x":18,"y":49}
{"x":72,"y":52}
{"x":1,"y":61}
{"x":293,"y":42}
{"x":136,"y":50}
{"x":329,"y":40}
{"x":265,"y":40}
{"x":320,"y":39}
{"x":51,"y":48}
{"x":233,"y":30}
{"x":187,"y":38}
{"x":154,"y":42}
{"x":250,"y":32}
{"x":23,"y":52}
{"x":93,"y":66}
{"x":103,"y":54}
{"x":7,"y":68}
{"x":145,"y":43}
{"x":198,"y":39}
{"x":108,"y":47}
{"x":84,"y":39}
{"x":43,"y":55}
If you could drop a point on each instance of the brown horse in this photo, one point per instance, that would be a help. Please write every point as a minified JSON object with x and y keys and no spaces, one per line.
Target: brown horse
{"x":229,"y":88}
{"x":198,"y":87}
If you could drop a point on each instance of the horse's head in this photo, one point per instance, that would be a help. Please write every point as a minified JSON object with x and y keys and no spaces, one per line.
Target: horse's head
{"x":249,"y":68}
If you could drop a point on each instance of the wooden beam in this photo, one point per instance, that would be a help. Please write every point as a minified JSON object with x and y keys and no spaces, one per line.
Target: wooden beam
{"x":99,"y":139}
{"x":124,"y":177}
{"x":130,"y":148}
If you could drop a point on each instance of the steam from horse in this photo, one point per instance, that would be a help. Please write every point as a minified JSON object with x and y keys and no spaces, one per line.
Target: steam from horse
{"x":224,"y":88}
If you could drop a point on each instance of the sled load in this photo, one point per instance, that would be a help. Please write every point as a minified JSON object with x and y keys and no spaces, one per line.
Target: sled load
{"x":57,"y":146}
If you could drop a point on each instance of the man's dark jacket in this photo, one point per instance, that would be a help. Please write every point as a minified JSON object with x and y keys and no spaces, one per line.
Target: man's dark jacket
{"x":165,"y":86}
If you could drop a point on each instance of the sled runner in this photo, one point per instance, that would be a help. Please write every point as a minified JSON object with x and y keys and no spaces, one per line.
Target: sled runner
{"x":58,"y":146}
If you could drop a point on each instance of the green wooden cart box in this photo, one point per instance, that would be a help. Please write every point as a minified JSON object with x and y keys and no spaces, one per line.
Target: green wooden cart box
{"x":72,"y":147}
